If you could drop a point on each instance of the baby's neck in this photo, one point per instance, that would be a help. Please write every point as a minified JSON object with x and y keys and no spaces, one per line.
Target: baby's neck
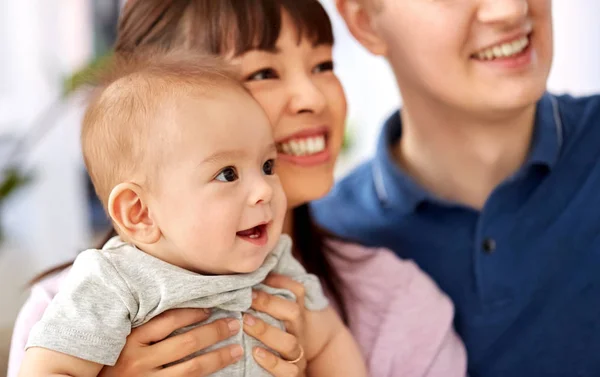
{"x":163,"y":251}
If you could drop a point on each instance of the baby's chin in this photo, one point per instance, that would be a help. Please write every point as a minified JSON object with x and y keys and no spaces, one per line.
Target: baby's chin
{"x":247,"y":267}
{"x":249,"y":264}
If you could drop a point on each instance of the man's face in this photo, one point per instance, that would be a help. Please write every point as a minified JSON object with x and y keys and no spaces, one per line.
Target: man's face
{"x":479,"y":56}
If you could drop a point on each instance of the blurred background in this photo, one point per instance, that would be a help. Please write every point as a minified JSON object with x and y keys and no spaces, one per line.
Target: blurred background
{"x":47,"y":209}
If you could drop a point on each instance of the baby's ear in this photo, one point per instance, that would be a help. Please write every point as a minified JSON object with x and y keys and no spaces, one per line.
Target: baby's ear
{"x":131,"y":215}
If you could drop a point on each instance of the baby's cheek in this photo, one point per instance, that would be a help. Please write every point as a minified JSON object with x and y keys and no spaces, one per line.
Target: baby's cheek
{"x":216,"y":228}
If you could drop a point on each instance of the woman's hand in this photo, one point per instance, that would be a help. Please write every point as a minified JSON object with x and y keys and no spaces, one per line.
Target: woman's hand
{"x":147,"y":350}
{"x":290,"y":345}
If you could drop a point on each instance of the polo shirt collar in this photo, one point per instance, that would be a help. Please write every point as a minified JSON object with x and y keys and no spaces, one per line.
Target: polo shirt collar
{"x":395,"y":188}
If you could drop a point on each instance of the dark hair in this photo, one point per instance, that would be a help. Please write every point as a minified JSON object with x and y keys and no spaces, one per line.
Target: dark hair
{"x":225,"y":26}
{"x":219,"y":27}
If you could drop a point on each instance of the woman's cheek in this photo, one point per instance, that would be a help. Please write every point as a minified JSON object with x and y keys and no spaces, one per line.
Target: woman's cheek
{"x":271,"y":100}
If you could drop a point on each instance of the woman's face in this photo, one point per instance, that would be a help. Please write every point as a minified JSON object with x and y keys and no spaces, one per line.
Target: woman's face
{"x":305,"y":103}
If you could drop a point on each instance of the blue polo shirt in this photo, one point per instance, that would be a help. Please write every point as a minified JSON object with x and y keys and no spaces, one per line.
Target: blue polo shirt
{"x":524,"y":272}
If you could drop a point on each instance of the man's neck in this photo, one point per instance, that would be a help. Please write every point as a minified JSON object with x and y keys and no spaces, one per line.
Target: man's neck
{"x":461,"y":159}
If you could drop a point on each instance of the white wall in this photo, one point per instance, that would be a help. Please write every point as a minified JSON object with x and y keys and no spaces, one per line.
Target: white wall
{"x":576,"y":66}
{"x":40,"y":42}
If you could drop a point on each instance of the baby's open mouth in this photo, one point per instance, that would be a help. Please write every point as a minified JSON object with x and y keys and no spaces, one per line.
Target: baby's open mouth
{"x":253,"y":233}
{"x":257,"y":235}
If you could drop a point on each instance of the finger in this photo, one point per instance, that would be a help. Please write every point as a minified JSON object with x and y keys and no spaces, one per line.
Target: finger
{"x":274,"y":338}
{"x":164,"y":324}
{"x":275,"y":365}
{"x":179,"y":346}
{"x":285,"y":282}
{"x":279,"y":308}
{"x":206,"y":364}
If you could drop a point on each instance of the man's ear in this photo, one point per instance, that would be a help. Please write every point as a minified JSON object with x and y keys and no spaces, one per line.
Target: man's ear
{"x":131,"y":215}
{"x":358,"y":18}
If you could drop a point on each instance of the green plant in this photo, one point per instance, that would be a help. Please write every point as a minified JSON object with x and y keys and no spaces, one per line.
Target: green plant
{"x":85,"y":75}
{"x":11,"y":180}
{"x":12,"y":176}
{"x":349,"y":137}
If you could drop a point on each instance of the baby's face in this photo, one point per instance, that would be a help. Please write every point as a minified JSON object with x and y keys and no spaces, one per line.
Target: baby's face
{"x":219,"y":204}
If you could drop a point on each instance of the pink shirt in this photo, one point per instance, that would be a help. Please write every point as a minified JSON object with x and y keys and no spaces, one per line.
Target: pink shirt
{"x":400,"y":318}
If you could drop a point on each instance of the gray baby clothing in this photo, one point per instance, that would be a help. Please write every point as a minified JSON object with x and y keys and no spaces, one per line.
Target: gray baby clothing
{"x":110,"y":291}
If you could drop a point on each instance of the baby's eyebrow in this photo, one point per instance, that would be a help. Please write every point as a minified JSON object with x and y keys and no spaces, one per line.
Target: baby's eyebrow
{"x":226,"y":155}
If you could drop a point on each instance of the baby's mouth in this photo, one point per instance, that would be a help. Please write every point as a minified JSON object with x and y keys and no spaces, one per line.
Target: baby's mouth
{"x":256,"y":235}
{"x":254,"y":232}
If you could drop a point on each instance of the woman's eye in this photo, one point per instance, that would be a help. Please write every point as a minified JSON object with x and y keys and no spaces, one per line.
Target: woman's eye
{"x":324,"y":67}
{"x":263,"y":74}
{"x":269,"y":167}
{"x":228,"y":174}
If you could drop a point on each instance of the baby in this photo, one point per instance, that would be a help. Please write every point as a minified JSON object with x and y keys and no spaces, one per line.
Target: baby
{"x":183,"y":161}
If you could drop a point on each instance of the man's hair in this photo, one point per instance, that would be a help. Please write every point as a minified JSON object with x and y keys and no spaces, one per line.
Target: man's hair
{"x":122,"y":117}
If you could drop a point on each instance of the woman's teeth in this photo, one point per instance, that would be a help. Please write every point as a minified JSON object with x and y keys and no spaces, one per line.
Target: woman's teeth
{"x":303,"y":147}
{"x":504,"y":50}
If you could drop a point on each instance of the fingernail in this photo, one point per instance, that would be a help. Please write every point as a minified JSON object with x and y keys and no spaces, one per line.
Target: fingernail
{"x":260,"y":353}
{"x":236,"y":352}
{"x":206,"y":310}
{"x":234,"y":325}
{"x":254,"y":295}
{"x":249,"y":320}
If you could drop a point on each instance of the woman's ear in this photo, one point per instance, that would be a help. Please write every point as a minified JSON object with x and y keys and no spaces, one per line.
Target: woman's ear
{"x":358,"y":15}
{"x":131,"y":215}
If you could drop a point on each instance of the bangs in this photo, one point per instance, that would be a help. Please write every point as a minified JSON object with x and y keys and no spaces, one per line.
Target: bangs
{"x":238,"y":26}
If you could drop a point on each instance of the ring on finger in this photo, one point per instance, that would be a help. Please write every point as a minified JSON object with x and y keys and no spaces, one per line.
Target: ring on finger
{"x":299,"y":357}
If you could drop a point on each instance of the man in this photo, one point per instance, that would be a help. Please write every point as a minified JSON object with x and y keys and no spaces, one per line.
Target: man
{"x":488,"y":182}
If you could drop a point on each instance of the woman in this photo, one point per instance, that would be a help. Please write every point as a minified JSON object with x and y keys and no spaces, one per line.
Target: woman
{"x":283,"y":48}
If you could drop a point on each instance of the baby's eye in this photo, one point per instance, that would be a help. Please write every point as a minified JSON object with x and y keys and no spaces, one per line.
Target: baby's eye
{"x":269,"y":167}
{"x":263,"y":74}
{"x":229,"y":174}
{"x":324,"y":67}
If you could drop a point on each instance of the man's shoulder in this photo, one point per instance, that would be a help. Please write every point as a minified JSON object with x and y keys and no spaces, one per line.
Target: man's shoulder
{"x":352,"y":185}
{"x":579,"y":118}
{"x":350,"y":204}
{"x":578,"y":112}
{"x":348,"y":189}
{"x":591,"y":101}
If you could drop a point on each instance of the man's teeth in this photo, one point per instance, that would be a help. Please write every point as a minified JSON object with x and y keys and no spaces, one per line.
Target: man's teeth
{"x":504,"y":50}
{"x":254,"y":235}
{"x":304,"y":147}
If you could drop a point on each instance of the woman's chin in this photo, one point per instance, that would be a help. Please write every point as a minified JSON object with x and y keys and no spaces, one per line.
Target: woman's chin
{"x":303,"y":194}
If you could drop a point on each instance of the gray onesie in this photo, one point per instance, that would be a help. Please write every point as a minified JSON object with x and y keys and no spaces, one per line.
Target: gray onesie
{"x":110,"y":291}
